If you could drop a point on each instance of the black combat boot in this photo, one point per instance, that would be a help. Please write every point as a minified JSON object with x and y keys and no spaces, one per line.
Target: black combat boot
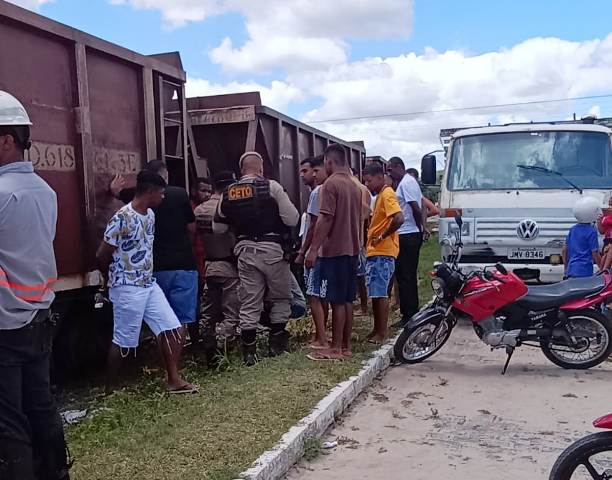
{"x":213,"y":358}
{"x":249,"y":347}
{"x":211,"y":351}
{"x":278,"y":342}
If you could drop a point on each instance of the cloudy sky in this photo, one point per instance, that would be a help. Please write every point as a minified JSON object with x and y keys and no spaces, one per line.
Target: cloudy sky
{"x":351,"y":66}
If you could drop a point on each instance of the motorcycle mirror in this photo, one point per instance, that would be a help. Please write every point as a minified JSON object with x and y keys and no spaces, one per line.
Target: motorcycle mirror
{"x":501,"y":269}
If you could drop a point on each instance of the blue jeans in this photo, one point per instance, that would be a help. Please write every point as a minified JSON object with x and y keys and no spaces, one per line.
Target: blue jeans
{"x":379,"y":270}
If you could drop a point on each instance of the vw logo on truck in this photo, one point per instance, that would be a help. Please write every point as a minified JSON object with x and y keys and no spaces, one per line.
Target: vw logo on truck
{"x":527,"y":230}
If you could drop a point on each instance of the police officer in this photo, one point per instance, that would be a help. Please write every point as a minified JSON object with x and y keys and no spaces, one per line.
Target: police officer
{"x":32,"y":442}
{"x":219,"y":304}
{"x":260,"y":213}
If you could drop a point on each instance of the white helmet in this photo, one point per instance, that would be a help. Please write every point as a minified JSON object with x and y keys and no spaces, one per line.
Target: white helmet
{"x":587,"y":210}
{"x":12,"y":111}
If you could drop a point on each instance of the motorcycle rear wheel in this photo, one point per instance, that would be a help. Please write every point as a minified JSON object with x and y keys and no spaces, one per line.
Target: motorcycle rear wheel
{"x":416,"y":344}
{"x":585,"y":323}
{"x":579,"y":454}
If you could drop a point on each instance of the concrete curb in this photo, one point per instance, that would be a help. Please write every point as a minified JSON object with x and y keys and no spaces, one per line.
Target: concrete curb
{"x":275,"y":463}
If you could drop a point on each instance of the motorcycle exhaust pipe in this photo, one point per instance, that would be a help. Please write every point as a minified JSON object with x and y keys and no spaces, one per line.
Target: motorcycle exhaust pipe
{"x":542,"y":332}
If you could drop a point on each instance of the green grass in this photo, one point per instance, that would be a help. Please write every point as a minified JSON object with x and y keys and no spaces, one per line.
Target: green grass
{"x":140,"y":432}
{"x":430,"y":253}
{"x":313,"y":448}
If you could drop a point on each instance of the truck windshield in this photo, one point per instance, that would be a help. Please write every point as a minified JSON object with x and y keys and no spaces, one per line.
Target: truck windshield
{"x":493,"y":161}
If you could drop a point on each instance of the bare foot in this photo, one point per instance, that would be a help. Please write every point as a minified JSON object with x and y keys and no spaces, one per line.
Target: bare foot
{"x":347,"y":353}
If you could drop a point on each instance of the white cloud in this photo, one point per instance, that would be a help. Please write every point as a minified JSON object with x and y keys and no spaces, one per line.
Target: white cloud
{"x":539,"y":68}
{"x":595,"y":110}
{"x":293,"y":35}
{"x":177,"y":13}
{"x":278,"y":95}
{"x":30,"y":4}
{"x":263,"y":53}
{"x":309,"y":40}
{"x":321,"y":18}
{"x":302,"y":35}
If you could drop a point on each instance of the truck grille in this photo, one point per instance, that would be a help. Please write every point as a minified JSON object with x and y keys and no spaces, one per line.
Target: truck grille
{"x":490,"y":229}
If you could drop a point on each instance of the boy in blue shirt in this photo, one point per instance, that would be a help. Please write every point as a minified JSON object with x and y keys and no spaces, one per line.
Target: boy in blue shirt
{"x":581,"y":249}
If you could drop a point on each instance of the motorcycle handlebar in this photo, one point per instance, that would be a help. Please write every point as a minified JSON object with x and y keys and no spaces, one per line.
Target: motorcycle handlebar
{"x":488,"y":275}
{"x":501,"y":269}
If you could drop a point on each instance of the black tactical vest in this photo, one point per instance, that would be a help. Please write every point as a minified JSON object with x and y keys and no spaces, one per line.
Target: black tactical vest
{"x":252,"y":212}
{"x":218,"y":246}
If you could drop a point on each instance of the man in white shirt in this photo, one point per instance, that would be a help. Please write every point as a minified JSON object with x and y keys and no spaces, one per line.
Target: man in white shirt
{"x":411,"y":238}
{"x":32,"y":443}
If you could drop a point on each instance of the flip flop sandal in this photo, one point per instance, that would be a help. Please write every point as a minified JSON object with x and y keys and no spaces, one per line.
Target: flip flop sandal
{"x":321,"y":357}
{"x":187,"y":388}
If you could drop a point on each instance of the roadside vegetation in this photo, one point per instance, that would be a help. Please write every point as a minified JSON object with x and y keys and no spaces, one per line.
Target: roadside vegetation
{"x":140,"y":432}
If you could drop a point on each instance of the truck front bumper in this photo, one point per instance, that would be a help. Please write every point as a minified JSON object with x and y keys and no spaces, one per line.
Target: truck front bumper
{"x":531,"y":273}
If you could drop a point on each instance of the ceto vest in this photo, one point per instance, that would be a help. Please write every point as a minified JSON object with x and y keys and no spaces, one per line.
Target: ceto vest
{"x":252,"y":212}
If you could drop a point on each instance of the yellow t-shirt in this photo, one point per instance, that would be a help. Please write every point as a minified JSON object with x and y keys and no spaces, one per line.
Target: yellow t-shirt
{"x":385,"y":207}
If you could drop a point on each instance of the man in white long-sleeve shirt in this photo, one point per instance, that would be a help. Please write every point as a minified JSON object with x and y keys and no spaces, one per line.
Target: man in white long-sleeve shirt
{"x":31,"y":434}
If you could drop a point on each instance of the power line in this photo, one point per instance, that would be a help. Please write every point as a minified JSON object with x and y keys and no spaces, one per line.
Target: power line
{"x":441,"y":123}
{"x":459,"y":109}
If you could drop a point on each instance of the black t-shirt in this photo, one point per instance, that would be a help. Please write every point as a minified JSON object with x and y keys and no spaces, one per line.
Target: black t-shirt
{"x":172,"y":248}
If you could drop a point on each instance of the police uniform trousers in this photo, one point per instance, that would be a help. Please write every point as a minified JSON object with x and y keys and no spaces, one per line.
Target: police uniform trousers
{"x":219,"y":314}
{"x":264,"y":275}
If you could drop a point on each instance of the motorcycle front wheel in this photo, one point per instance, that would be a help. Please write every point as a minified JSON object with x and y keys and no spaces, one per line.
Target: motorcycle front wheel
{"x":593,"y":334}
{"x":420,"y":342}
{"x":578,"y":462}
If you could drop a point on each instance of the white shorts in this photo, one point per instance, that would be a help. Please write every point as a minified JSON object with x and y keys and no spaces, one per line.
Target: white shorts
{"x":132,"y":305}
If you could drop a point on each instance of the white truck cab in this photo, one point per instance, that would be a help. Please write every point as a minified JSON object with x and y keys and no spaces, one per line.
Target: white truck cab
{"x":515,"y":186}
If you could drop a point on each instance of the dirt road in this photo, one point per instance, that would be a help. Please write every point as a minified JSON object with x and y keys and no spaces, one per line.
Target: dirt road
{"x":456,"y":417}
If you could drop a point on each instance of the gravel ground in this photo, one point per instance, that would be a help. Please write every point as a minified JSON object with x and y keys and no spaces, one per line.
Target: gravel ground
{"x":455,"y":417}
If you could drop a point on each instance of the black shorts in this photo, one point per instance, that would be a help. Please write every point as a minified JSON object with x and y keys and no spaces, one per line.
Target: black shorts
{"x":607,"y":241}
{"x":338,"y":279}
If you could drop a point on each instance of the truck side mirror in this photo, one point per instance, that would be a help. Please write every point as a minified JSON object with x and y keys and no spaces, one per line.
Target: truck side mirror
{"x":429,"y":175}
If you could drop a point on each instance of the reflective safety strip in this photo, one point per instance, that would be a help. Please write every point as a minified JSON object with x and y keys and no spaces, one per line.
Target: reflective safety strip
{"x":34,"y":298}
{"x":36,"y":292}
{"x":28,"y":288}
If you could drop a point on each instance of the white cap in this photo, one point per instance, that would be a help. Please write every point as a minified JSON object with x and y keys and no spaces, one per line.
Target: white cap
{"x":587,"y":210}
{"x":12,"y":111}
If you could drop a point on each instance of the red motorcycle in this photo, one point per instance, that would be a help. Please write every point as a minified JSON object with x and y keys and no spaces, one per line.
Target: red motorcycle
{"x":564,"y":320}
{"x":581,"y":461}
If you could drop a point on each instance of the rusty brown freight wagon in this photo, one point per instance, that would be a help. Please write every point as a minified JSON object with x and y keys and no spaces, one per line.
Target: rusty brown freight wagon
{"x":98,"y":110}
{"x":225,"y":126}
